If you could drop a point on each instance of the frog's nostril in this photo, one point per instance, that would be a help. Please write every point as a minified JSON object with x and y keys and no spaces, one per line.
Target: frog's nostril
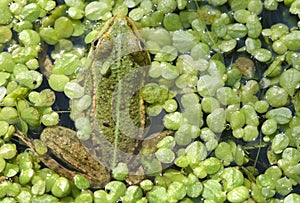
{"x":106,"y":124}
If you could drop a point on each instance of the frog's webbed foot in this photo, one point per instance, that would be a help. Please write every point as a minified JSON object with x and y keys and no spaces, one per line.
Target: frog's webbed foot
{"x":3,"y":178}
{"x":134,"y":179}
{"x":26,"y":141}
{"x":149,"y":145}
{"x":45,"y":63}
{"x":138,"y":165}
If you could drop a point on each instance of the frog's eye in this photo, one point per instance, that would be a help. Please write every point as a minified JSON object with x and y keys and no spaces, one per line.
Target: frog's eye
{"x":106,"y":124}
{"x":95,"y":43}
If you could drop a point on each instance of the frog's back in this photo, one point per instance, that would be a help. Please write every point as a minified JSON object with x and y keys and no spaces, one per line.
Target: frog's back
{"x":117,"y":67}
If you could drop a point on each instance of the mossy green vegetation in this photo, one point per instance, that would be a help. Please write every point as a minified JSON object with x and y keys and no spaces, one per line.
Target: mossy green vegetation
{"x":224,"y":78}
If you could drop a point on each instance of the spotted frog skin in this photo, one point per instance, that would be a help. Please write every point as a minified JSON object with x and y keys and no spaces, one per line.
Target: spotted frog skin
{"x":113,"y":78}
{"x":115,"y":73}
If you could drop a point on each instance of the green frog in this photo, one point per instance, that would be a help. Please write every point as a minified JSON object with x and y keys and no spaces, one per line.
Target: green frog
{"x":113,"y":77}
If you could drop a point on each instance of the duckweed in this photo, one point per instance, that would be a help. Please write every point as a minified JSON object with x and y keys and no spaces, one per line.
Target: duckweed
{"x":31,"y":79}
{"x":64,"y":27}
{"x":133,"y":194}
{"x":281,"y":115}
{"x":6,"y":15}
{"x":176,"y":191}
{"x":289,"y":80}
{"x":61,"y":187}
{"x":120,"y":172}
{"x":96,"y":10}
{"x":5,"y":34}
{"x":58,"y":82}
{"x":81,"y":182}
{"x":8,"y":151}
{"x":157,"y":194}
{"x":73,"y":90}
{"x":269,"y":127}
{"x":166,"y":6}
{"x":237,"y":120}
{"x":212,"y":190}
{"x":165,"y":155}
{"x":219,"y":78}
{"x":172,"y":22}
{"x":49,"y":35}
{"x":238,"y":194}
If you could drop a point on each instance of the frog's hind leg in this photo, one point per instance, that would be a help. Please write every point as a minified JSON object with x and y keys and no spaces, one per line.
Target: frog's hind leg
{"x":54,"y":165}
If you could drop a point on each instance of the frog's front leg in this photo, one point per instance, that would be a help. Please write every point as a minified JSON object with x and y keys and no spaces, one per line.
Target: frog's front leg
{"x":45,"y":63}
